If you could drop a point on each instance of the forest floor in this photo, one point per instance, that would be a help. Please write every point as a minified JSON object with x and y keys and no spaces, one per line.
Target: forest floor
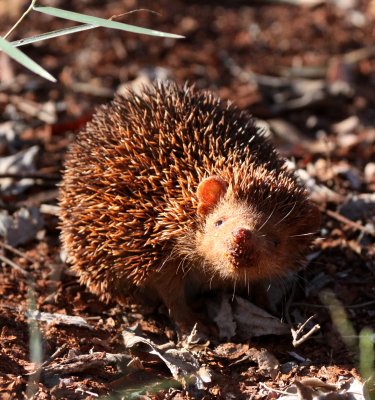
{"x":305,"y":69}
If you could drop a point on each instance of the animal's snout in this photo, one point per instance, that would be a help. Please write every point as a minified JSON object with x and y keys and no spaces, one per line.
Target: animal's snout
{"x":241,"y":248}
{"x":243,"y":236}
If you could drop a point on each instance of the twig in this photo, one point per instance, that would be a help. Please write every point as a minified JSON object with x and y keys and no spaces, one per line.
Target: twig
{"x":16,"y":251}
{"x":56,"y":354}
{"x":295,"y":334}
{"x":349,"y":222}
{"x":87,"y":361}
{"x":14,"y":266}
{"x":264,"y":386}
{"x":357,"y":55}
{"x":82,"y":87}
{"x":19,"y":21}
{"x":359,"y":305}
{"x":31,"y":175}
{"x":87,"y":392}
{"x":50,"y":209}
{"x":301,"y":304}
{"x":297,"y":356}
{"x":133,"y":12}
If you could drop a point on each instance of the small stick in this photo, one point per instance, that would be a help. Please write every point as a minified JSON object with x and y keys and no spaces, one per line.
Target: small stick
{"x":14,"y":266}
{"x":314,"y":329}
{"x":264,"y":386}
{"x":359,"y":305}
{"x":56,"y":354}
{"x":16,"y":251}
{"x":295,"y":334}
{"x":349,"y":222}
{"x":133,"y":12}
{"x":31,"y":175}
{"x":86,"y":361}
{"x":359,"y":54}
{"x":50,"y":209}
{"x":19,"y":21}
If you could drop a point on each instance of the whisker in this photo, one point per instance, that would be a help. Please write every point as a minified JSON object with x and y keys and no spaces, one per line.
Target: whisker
{"x":269,"y":217}
{"x":247,"y":283}
{"x":184,"y":260}
{"x":188,"y":270}
{"x":210,"y":285}
{"x":287,"y":215}
{"x":303,"y":234}
{"x":167,"y":259}
{"x":234,"y":289}
{"x":181,"y":264}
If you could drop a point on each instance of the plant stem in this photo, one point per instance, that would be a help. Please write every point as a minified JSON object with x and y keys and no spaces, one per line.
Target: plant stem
{"x":22,"y":17}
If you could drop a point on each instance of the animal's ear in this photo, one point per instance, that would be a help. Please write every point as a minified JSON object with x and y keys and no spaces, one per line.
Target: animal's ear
{"x":209,"y":193}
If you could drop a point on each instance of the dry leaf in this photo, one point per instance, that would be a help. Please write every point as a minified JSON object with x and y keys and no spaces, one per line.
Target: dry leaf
{"x":21,"y":162}
{"x":22,"y":226}
{"x":253,"y":321}
{"x":238,"y":317}
{"x":268,"y":362}
{"x":181,"y":362}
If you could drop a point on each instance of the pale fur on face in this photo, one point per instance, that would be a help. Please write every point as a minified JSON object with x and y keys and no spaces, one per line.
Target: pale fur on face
{"x":212,"y":242}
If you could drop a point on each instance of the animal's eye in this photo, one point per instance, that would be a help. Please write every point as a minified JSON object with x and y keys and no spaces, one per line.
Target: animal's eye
{"x":219,"y":222}
{"x":275,"y":242}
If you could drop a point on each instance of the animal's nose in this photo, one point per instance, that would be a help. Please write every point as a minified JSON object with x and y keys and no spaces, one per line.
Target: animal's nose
{"x":241,"y":248}
{"x":242,"y":236}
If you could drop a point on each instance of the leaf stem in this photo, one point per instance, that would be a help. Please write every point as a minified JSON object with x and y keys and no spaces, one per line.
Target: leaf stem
{"x":22,"y":17}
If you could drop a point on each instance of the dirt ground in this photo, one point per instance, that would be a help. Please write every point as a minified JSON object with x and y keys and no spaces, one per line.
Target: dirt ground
{"x":306,"y":70}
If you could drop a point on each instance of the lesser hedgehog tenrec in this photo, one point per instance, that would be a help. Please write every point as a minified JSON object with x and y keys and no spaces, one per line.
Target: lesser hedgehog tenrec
{"x":172,"y":187}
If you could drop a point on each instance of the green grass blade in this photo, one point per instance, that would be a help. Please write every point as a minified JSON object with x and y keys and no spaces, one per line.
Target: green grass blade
{"x":25,"y":60}
{"x":105,"y":23}
{"x":366,"y":355}
{"x":52,"y":34}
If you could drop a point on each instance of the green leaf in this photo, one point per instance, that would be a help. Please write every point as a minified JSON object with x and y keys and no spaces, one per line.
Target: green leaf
{"x":52,"y":34}
{"x":86,"y":19}
{"x":25,"y":60}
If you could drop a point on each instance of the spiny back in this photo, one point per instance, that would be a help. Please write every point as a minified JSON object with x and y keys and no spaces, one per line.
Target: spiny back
{"x":130,"y":181}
